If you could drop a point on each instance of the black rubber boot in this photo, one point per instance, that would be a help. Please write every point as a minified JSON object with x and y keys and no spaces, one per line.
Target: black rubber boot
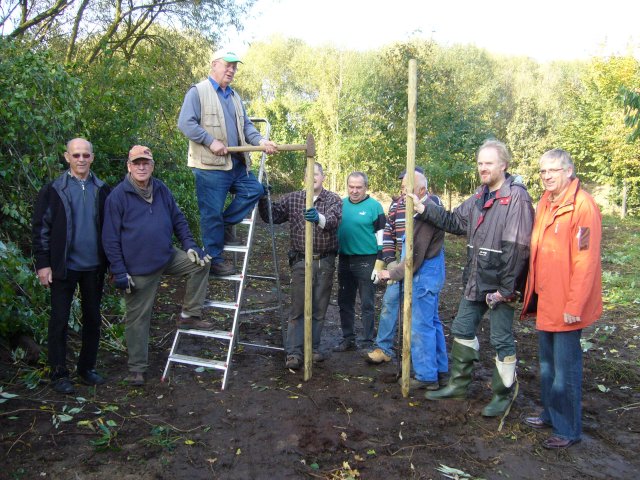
{"x":462,"y":358}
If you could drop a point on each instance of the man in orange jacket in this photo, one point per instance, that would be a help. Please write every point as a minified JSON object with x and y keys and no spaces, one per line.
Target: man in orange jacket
{"x":564,"y":292}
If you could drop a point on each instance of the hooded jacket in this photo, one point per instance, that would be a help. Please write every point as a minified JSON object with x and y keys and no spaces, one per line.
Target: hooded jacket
{"x":52,"y":227}
{"x":565,"y":273}
{"x":498,"y":234}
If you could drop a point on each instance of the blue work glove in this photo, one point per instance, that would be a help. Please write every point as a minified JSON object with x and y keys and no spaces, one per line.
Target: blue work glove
{"x":197,"y":255}
{"x":311,"y":215}
{"x":123,"y":281}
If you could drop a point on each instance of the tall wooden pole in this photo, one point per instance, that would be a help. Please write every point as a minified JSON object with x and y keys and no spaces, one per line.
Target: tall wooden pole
{"x":408,"y":242}
{"x":308,"y":263}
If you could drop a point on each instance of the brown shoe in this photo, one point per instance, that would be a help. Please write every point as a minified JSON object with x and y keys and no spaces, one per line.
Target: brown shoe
{"x":293,"y":362}
{"x":377,"y":357}
{"x":135,"y":379}
{"x":195,"y":323}
{"x":222,"y":269}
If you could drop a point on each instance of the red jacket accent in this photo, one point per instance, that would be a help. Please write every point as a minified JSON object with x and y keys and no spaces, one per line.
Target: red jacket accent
{"x":565,"y":275}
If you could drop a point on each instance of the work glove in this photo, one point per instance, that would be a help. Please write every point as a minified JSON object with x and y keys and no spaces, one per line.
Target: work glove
{"x":379,"y":265}
{"x":493,"y":299}
{"x":393,"y":264}
{"x":312,"y":215}
{"x":197,"y":256}
{"x":123,"y":281}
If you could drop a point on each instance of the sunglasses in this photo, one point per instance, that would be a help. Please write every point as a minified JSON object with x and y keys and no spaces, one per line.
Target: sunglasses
{"x":83,"y":155}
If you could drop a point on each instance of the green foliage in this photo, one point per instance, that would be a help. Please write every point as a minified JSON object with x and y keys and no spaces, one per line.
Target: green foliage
{"x":620,"y":248}
{"x":24,"y":301}
{"x":39,"y":104}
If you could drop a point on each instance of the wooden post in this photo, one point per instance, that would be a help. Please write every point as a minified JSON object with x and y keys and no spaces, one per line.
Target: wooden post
{"x":308,"y":263}
{"x":408,"y":243}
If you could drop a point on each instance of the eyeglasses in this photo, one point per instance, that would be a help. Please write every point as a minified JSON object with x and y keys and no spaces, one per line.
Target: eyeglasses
{"x":83,"y":155}
{"x":141,"y":165}
{"x":551,"y":171}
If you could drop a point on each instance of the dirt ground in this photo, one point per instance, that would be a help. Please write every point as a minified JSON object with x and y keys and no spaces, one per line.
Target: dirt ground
{"x":348,"y":421}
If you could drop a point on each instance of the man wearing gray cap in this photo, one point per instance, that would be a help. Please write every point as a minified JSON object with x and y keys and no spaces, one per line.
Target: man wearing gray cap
{"x":213,"y":118}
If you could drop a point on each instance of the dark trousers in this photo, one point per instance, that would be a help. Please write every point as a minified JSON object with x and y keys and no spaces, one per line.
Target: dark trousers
{"x":323,"y":270}
{"x":354,"y":275}
{"x":62,"y":291}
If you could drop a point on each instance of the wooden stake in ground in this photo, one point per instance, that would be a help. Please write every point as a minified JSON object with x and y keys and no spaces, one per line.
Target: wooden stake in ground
{"x":408,"y":233}
{"x":308,"y":261}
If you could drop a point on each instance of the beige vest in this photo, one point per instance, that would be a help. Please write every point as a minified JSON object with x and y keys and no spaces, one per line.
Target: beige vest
{"x":212,"y":120}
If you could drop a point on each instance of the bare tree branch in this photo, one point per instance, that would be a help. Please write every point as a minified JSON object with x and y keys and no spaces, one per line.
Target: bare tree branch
{"x":25,"y":24}
{"x":74,"y":33}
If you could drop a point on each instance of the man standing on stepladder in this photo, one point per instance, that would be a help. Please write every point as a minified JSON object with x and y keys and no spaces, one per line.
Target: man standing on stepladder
{"x":497,"y":221}
{"x":213,"y":118}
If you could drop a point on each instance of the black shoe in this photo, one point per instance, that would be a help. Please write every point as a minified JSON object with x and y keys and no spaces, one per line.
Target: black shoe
{"x":222,"y":269}
{"x":317,"y":356}
{"x":91,"y":377}
{"x":229,"y":237}
{"x":345,"y":345}
{"x":63,"y":385}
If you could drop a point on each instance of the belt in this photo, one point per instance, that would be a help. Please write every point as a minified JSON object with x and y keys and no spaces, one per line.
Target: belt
{"x":297,"y":256}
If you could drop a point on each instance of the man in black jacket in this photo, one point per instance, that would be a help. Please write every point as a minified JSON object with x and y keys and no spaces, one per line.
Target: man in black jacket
{"x":497,"y":221}
{"x":66,"y":230}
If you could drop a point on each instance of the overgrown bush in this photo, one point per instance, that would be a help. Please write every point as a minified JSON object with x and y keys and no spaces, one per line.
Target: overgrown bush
{"x":39,"y":104}
{"x":24,"y":301}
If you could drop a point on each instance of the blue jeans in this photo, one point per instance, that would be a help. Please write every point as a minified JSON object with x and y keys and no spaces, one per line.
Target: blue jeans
{"x":212,"y":187}
{"x":428,"y":345}
{"x":561,"y":382}
{"x":354,"y":275}
{"x":468,"y":318}
{"x":388,"y":319}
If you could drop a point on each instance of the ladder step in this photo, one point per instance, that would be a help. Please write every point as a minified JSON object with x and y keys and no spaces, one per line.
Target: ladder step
{"x":222,"y":334}
{"x":227,"y":305}
{"x":237,"y":277}
{"x":246,"y":221}
{"x":236,"y":248}
{"x":201,"y":362}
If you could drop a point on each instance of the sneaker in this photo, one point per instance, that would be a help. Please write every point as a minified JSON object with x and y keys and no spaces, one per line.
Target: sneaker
{"x":415,"y":384}
{"x":222,"y":269}
{"x":91,"y":377}
{"x":345,"y":345}
{"x":317,"y":356}
{"x":293,"y":362}
{"x":135,"y":379}
{"x":63,"y":385}
{"x":377,"y":357}
{"x":230,"y":238}
{"x":195,"y":323}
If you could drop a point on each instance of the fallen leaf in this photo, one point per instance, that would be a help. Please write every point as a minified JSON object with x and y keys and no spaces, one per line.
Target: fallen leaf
{"x":238,"y":452}
{"x":189,"y":442}
{"x":343,"y":435}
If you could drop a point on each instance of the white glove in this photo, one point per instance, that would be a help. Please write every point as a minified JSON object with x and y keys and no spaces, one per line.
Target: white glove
{"x":198,"y":257}
{"x":379,"y":265}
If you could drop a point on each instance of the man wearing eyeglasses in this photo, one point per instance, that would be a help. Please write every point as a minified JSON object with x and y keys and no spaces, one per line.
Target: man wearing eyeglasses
{"x":497,"y":221}
{"x":213,"y":118}
{"x":564,"y":293}
{"x":141,"y":218}
{"x":66,"y":229}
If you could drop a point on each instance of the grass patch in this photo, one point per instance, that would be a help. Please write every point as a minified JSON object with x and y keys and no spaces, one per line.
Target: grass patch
{"x":620,"y":251}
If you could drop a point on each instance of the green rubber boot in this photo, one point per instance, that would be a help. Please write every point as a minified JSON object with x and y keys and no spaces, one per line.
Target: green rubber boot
{"x":462,"y":358}
{"x":501,"y":393}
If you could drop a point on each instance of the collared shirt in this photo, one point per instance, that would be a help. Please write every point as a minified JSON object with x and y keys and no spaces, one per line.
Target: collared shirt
{"x":291,"y":208}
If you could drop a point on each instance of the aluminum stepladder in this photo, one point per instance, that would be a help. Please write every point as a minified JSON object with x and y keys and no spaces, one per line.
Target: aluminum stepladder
{"x":239,"y":280}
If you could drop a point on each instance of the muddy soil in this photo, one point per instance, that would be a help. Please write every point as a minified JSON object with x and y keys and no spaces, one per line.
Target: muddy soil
{"x":349,"y":420}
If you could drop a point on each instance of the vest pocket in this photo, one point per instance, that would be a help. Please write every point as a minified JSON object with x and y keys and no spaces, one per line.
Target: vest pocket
{"x":213,"y":160}
{"x":211,"y":118}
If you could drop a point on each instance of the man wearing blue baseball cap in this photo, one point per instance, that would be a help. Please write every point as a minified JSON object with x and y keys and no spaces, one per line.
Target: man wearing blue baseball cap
{"x":213,"y":118}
